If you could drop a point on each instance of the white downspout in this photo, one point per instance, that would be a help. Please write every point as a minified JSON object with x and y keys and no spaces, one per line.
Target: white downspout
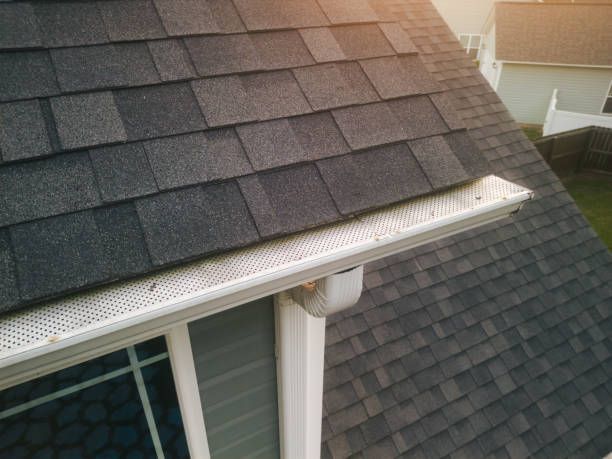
{"x":300,"y":342}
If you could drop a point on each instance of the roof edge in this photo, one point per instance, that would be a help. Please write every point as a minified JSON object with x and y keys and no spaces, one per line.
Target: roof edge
{"x":106,"y":318}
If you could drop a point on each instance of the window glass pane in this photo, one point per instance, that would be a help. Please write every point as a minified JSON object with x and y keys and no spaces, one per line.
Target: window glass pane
{"x":475,"y":42}
{"x":62,"y":379}
{"x":162,"y":395}
{"x":608,"y":105}
{"x":97,"y":409}
{"x":464,"y":39}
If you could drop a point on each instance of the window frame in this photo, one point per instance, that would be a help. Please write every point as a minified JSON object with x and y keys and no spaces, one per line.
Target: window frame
{"x":469,"y":47}
{"x":605,"y":101}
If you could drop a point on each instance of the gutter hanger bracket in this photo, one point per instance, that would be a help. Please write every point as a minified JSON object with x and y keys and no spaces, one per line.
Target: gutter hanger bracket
{"x":330,"y":294}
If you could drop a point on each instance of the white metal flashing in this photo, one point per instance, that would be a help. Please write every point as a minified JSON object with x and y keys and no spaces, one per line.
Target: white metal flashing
{"x":34,"y":340}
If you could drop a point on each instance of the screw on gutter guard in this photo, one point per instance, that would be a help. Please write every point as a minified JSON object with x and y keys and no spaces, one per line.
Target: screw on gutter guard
{"x":478,"y":198}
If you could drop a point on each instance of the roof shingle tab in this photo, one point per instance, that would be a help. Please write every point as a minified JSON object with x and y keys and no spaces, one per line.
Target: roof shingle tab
{"x":363,"y":180}
{"x":318,"y":135}
{"x":195,"y":221}
{"x":186,"y":17}
{"x":171,"y":60}
{"x":64,"y":251}
{"x":296,"y":197}
{"x":322,"y":44}
{"x":275,"y":95}
{"x":362,"y":41}
{"x":132,"y":20}
{"x":196,"y":158}
{"x":438,"y":161}
{"x":97,"y":67}
{"x":158,"y":111}
{"x":256,"y":14}
{"x":348,"y":11}
{"x":9,"y":291}
{"x":122,"y":172}
{"x":18,"y":26}
{"x":23,"y":131}
{"x":70,"y":23}
{"x":468,"y":153}
{"x":224,"y":101}
{"x":335,"y":85}
{"x":87,"y":119}
{"x":26,"y":75}
{"x":281,"y":50}
{"x":217,"y":55}
{"x":396,"y":77}
{"x":418,"y":116}
{"x":46,"y":187}
{"x":226,"y":16}
{"x":271,"y":144}
{"x":369,"y":125}
{"x":399,"y":39}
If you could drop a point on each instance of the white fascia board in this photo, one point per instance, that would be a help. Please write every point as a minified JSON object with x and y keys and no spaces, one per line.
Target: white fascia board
{"x":41,"y":357}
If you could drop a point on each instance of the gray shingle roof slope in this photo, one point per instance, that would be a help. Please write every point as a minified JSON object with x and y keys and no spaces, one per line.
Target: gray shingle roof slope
{"x":492,"y":343}
{"x":151,"y":110}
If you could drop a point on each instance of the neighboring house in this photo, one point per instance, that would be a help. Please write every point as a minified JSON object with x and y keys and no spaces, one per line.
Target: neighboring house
{"x":174,"y":173}
{"x":532,"y":50}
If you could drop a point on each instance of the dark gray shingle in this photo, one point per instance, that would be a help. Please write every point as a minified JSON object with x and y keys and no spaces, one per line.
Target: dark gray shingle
{"x":171,"y":59}
{"x":362,"y":41}
{"x":362,"y":181}
{"x":9,"y":291}
{"x":448,"y":111}
{"x":96,"y":67}
{"x":397,"y":77}
{"x":133,"y":20}
{"x":87,"y":119}
{"x":122,"y":172}
{"x":70,"y":23}
{"x":47,"y":187}
{"x":281,"y":50}
{"x":438,"y":161}
{"x":335,"y":85}
{"x":286,"y":14}
{"x":275,"y":95}
{"x":18,"y":26}
{"x":25,"y":75}
{"x":271,"y":144}
{"x":158,"y":111}
{"x":226,"y":16}
{"x":224,"y":100}
{"x":296,"y":197}
{"x":195,"y":221}
{"x":217,"y":55}
{"x":122,"y":240}
{"x":64,"y":252}
{"x":318,"y":135}
{"x":466,"y":150}
{"x":322,"y":44}
{"x":186,"y":17}
{"x":196,"y":158}
{"x":348,"y":11}
{"x":418,"y":116}
{"x":23,"y":133}
{"x":369,"y":125}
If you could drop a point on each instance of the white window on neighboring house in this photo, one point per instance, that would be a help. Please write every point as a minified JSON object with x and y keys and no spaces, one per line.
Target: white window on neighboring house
{"x":472,"y":43}
{"x":606,"y":108}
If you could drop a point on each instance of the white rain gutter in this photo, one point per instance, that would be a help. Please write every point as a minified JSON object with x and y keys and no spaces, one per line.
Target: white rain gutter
{"x":386,"y":238}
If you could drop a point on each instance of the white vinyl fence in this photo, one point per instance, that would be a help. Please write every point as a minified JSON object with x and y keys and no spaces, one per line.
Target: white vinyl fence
{"x":560,"y":121}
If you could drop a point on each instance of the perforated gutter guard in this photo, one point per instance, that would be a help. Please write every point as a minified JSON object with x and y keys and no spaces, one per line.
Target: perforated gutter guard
{"x":123,"y":311}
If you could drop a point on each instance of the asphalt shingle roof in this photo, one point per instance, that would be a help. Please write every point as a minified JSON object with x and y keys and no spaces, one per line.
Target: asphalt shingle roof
{"x":495,"y":342}
{"x":155,"y":104}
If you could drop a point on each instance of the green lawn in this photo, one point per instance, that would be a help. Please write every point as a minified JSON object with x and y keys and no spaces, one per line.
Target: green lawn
{"x":594,"y":197}
{"x":532,"y":132}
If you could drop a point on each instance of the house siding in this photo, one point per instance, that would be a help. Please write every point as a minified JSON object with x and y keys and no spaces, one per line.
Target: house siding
{"x":236,"y":370}
{"x":526,"y":90}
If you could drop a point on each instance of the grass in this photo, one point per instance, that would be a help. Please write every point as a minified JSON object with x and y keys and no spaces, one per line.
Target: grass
{"x":532,"y":132}
{"x":594,"y":197}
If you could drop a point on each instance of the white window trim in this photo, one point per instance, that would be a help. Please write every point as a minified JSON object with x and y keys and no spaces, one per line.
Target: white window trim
{"x":606,"y":97}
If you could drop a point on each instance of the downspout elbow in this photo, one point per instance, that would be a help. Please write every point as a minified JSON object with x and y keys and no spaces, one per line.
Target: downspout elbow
{"x":330,"y":294}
